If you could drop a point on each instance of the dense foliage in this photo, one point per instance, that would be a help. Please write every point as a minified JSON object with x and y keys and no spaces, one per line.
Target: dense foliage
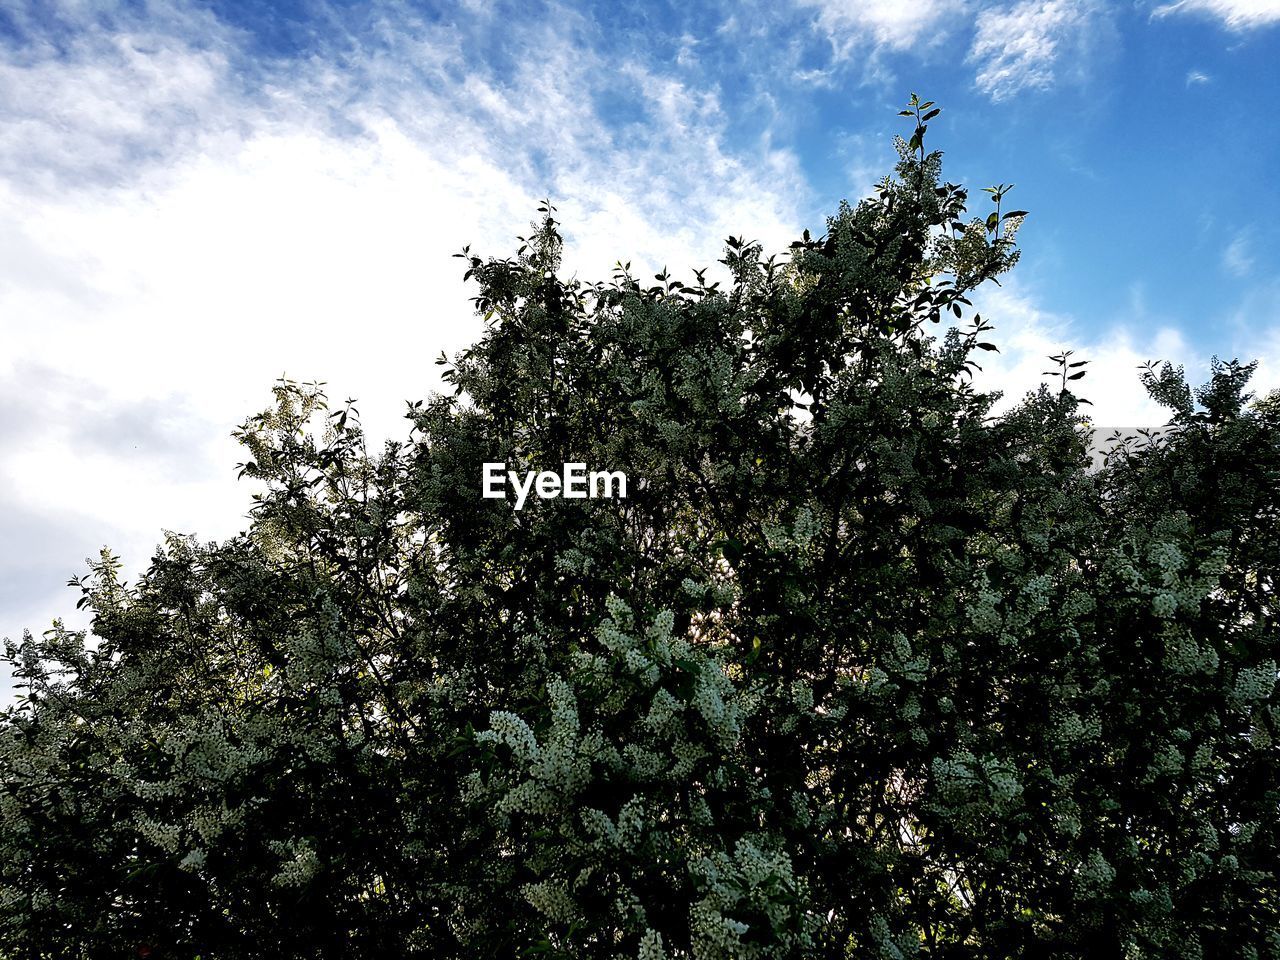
{"x":857,"y":669}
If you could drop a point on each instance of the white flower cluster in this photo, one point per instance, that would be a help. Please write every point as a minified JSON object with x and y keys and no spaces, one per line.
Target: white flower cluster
{"x":574,"y":561}
{"x":1172,"y":582}
{"x":631,"y":824}
{"x":659,"y":635}
{"x":664,"y":713}
{"x":910,"y":711}
{"x":700,"y":811}
{"x":211,"y":822}
{"x":12,"y":815}
{"x":1002,"y":781}
{"x":1202,"y":758}
{"x":1168,"y":558}
{"x":715,"y":698}
{"x":552,"y":899}
{"x":724,"y":591}
{"x":10,"y":899}
{"x":965,"y":779}
{"x":1066,"y":818}
{"x":507,"y":728}
{"x":799,"y":801}
{"x":657,"y":711}
{"x":1259,"y":736}
{"x":1077,"y":604}
{"x":528,"y":796}
{"x":752,"y":881}
{"x":1071,"y":728}
{"x":1168,"y":761}
{"x":1094,"y":876}
{"x":598,"y":824}
{"x":1208,"y":837}
{"x":887,"y":946}
{"x":712,"y":696}
{"x":1035,"y":596}
{"x":300,"y":863}
{"x":626,"y":908}
{"x":983,"y":611}
{"x":717,"y":937}
{"x":166,"y":836}
{"x":1164,"y":604}
{"x":801,"y":696}
{"x":1183,"y":654}
{"x":642,"y":663}
{"x":311,"y":655}
{"x":151,"y":790}
{"x":644,"y":764}
{"x":205,"y":751}
{"x":688,"y":755}
{"x":902,"y":661}
{"x":954,"y":776}
{"x":1255,"y":684}
{"x":546,"y":775}
{"x":651,"y":947}
{"x":795,"y":539}
{"x":564,"y":710}
{"x":453,"y":686}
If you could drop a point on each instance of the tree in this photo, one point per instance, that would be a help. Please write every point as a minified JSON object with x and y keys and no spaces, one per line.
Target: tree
{"x":855,"y":669}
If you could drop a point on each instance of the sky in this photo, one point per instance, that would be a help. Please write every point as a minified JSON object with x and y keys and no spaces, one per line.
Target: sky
{"x":198,"y":198}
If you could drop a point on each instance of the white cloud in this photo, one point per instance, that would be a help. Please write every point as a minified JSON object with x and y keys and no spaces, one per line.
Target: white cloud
{"x":176,"y":232}
{"x":111,"y":100}
{"x":1028,"y":335}
{"x":888,"y":24}
{"x":1235,"y":14}
{"x":1023,"y":47}
{"x":175,"y":237}
{"x":1197,"y":77}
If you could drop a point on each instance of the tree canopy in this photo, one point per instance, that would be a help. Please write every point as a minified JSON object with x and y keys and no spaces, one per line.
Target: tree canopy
{"x":856,"y":669}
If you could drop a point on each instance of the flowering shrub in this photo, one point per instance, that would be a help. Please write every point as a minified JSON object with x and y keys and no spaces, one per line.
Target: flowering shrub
{"x":855,"y":669}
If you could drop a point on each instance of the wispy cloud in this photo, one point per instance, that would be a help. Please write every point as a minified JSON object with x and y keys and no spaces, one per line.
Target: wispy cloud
{"x":189,"y":228}
{"x":1235,"y":14}
{"x":184,"y":215}
{"x":1022,"y":47}
{"x":1197,"y":77}
{"x":84,"y":105}
{"x":884,"y":24}
{"x":1237,"y":257}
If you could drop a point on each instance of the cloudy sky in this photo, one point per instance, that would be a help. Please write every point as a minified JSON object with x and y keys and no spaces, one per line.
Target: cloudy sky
{"x":198,"y":197}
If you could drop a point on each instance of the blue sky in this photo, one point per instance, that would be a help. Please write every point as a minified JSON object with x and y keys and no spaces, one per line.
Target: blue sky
{"x":198,"y":197}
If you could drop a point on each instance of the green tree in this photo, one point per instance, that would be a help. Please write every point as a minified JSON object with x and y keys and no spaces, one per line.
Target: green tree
{"x":856,"y":669}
